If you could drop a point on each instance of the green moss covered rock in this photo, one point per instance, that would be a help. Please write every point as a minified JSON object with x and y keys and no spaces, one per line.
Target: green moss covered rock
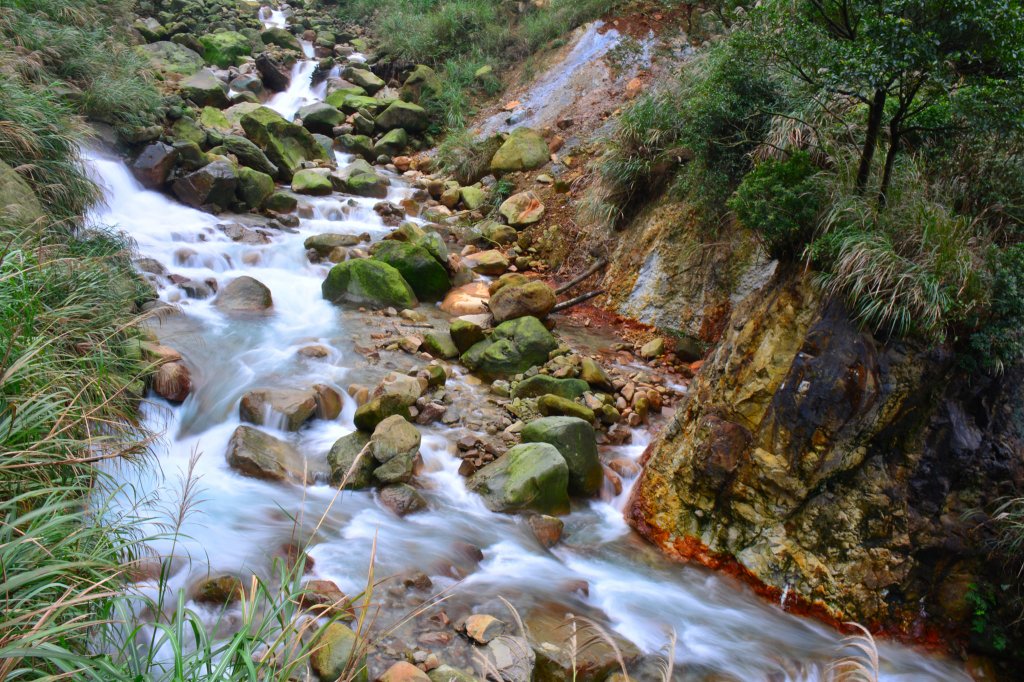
{"x":428,"y":279}
{"x":226,"y":48}
{"x":524,"y":149}
{"x":576,"y":441}
{"x":530,"y":476}
{"x":286,"y":145}
{"x":543,"y":384}
{"x":366,"y":281}
{"x":513,"y":347}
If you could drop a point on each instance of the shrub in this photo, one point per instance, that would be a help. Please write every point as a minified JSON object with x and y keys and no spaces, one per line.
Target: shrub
{"x":999,"y":337}
{"x":780,"y":200}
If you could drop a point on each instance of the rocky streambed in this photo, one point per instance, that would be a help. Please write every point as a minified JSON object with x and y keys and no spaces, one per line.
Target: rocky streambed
{"x":378,"y":331}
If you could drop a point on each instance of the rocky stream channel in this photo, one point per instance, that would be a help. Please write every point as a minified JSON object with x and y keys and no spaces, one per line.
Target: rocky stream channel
{"x":279,"y":369}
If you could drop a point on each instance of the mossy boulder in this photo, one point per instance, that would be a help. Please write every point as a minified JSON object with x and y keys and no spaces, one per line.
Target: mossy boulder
{"x":524,"y":149}
{"x":428,"y":279}
{"x":214,"y":118}
{"x":186,"y":129}
{"x":337,"y":96}
{"x":360,"y":179}
{"x":344,"y":454}
{"x":513,"y":347}
{"x":205,"y":89}
{"x":226,"y":48}
{"x":472,"y":197}
{"x":363,"y":78}
{"x":309,"y":181}
{"x":286,"y":145}
{"x":254,"y":187}
{"x":327,"y":242}
{"x":531,"y":298}
{"x":594,"y":374}
{"x":465,"y":333}
{"x":167,"y":58}
{"x":493,"y":232}
{"x":406,"y":115}
{"x":576,"y":441}
{"x":374,"y":411}
{"x":392,"y":142}
{"x":360,"y":145}
{"x":530,"y":476}
{"x":320,"y":118}
{"x":370,"y":282}
{"x":422,"y":80}
{"x":544,"y":384}
{"x":556,"y":405}
{"x":440,"y":345}
{"x":248,"y":154}
{"x":333,"y":654}
{"x":281,"y":202}
{"x":282,"y":38}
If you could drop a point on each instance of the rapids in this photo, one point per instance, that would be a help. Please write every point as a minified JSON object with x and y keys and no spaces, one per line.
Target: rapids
{"x":240,"y":522}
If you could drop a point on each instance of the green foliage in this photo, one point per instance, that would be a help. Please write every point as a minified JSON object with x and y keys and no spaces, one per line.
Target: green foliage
{"x":781,"y":200}
{"x":998,"y":339}
{"x":983,"y":603}
{"x":464,"y":156}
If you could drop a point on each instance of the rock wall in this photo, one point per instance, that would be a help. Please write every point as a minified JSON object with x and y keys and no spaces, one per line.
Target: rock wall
{"x":833,"y":466}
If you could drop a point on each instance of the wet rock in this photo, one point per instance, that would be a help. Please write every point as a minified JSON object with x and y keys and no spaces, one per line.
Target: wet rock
{"x":282,"y":38}
{"x":275,"y":76}
{"x":576,"y":440}
{"x":196,"y":289}
{"x":512,"y":657}
{"x":376,"y":410}
{"x":172,"y":381}
{"x":440,"y":345}
{"x":482,"y":627}
{"x":205,"y":89}
{"x":287,"y":408}
{"x":653,"y":348}
{"x":351,"y":463}
{"x":211,"y":187}
{"x":320,"y":118}
{"x":368,"y":282}
{"x":399,"y":469}
{"x":254,"y":187}
{"x":556,"y":661}
{"x":594,"y":374}
{"x":247,"y":83}
{"x":403,"y":672}
{"x":543,"y":384}
{"x":392,"y":142}
{"x":280,"y":202}
{"x":406,"y":115}
{"x":168,"y":57}
{"x":327,"y":242}
{"x":286,"y":145}
{"x":218,"y":591}
{"x":402,"y":499}
{"x":530,"y":476}
{"x":492,"y":262}
{"x":532,"y":298}
{"x":524,"y":149}
{"x":468,"y":299}
{"x":547,"y":529}
{"x":513,"y":347}
{"x":154,"y":164}
{"x":427,"y":277}
{"x":325,"y":598}
{"x":248,"y":154}
{"x":260,"y":455}
{"x":313,"y":182}
{"x":328,"y":402}
{"x":335,"y":654}
{"x":393,"y":437}
{"x":406,"y":388}
{"x":465,"y":333}
{"x":244,"y":295}
{"x":557,"y":405}
{"x":360,"y":145}
{"x":359,"y":178}
{"x":522,"y":209}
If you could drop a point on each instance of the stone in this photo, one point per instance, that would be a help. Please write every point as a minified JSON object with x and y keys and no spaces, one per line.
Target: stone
{"x":468,"y":299}
{"x":360,"y":179}
{"x":286,"y":145}
{"x":549,"y":405}
{"x":226,"y":48}
{"x":403,"y":672}
{"x":205,"y":89}
{"x":214,"y":119}
{"x":275,"y":76}
{"x":281,"y":202}
{"x":350,"y":463}
{"x":407,"y":388}
{"x":428,"y":278}
{"x":328,"y":402}
{"x":394,"y":437}
{"x":211,"y":187}
{"x":364,"y":79}
{"x":472,"y":197}
{"x":494,"y":232}
{"x":360,"y":145}
{"x":334,"y":655}
{"x":398,"y":469}
{"x":392,"y":142}
{"x":282,"y":38}
{"x":522,"y":209}
{"x":420,"y":81}
{"x":368,"y":282}
{"x":653,"y":348}
{"x":440,"y":345}
{"x":374,"y":411}
{"x":576,"y":440}
{"x":326,"y":242}
{"x":172,"y":381}
{"x":218,"y":591}
{"x":512,"y":657}
{"x":402,"y":499}
{"x":524,"y":149}
{"x":154,"y":164}
{"x":597,"y":661}
{"x":284,"y":408}
{"x":530,"y":476}
{"x":244,"y":295}
{"x":254,"y":187}
{"x":313,"y":182}
{"x":513,"y":347}
{"x":594,"y":374}
{"x":257,"y":454}
{"x":533,"y":298}
{"x":547,"y":529}
{"x":171,"y":58}
{"x":446,"y":673}
{"x":492,"y":262}
{"x":509,"y":279}
{"x":320,"y":118}
{"x":247,"y":83}
{"x":405,"y":115}
{"x":465,"y":333}
{"x":544,"y":384}
{"x":482,"y":627}
{"x":325,"y":598}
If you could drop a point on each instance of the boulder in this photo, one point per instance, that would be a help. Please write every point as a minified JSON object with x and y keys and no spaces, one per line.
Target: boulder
{"x":363,"y":78}
{"x":218,"y":591}
{"x":403,"y":672}
{"x":594,"y":374}
{"x":427,"y":277}
{"x":282,"y":38}
{"x":360,"y":145}
{"x":402,"y":499}
{"x":187,"y":129}
{"x":524,"y":149}
{"x":398,"y":469}
{"x":360,"y":179}
{"x":394,"y":437}
{"x":465,"y":333}
{"x":327,"y":242}
{"x":247,"y":83}
{"x":392,"y":142}
{"x":172,"y":381}
{"x":274,"y":75}
{"x":281,"y":202}
{"x":244,"y":295}
{"x":653,"y":348}
{"x":254,"y":187}
{"x":532,"y":298}
{"x":513,"y":347}
{"x":522,"y":209}
{"x":472,"y":197}
{"x":248,"y":154}
{"x":406,"y":115}
{"x":407,"y":388}
{"x":214,"y":119}
{"x":374,"y":411}
{"x":226,"y":48}
{"x":370,"y":282}
{"x":167,"y":58}
{"x":468,"y":299}
{"x":421,"y":80}
{"x":333,"y":655}
{"x":576,"y":440}
{"x":530,"y":476}
{"x":286,"y":145}
{"x":257,"y":454}
{"x":362,"y":104}
{"x":284,"y":408}
{"x":310,"y":181}
{"x":557,"y":405}
{"x":491,"y":262}
{"x":543,"y":384}
{"x":320,"y":118}
{"x":154,"y":164}
{"x":350,"y":462}
{"x":211,"y":187}
{"x":205,"y":89}
{"x":440,"y":345}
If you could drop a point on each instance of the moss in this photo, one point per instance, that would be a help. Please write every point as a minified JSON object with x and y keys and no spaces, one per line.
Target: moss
{"x":366,"y":281}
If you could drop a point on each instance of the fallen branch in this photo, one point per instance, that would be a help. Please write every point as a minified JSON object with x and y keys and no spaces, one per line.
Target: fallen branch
{"x":564,"y":305}
{"x":590,"y":271}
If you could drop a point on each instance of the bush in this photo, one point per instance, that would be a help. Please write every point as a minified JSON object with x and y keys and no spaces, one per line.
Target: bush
{"x":780,"y":201}
{"x":999,"y":337}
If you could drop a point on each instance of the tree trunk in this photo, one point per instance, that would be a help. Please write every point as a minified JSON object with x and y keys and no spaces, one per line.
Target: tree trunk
{"x":875,"y":113}
{"x":895,"y":137}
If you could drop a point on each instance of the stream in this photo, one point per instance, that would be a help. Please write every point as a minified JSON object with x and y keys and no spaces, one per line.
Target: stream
{"x":599,"y":569}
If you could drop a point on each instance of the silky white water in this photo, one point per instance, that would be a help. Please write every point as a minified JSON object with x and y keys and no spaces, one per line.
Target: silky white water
{"x":241,"y":523}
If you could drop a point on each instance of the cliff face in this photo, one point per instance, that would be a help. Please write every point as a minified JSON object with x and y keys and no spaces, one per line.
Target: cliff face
{"x":834,"y":466}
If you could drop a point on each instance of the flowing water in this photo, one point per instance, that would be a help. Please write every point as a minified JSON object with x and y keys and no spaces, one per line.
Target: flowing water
{"x":599,"y":568}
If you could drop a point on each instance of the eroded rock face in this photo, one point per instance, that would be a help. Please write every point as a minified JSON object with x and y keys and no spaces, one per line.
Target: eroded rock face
{"x":828,"y":462}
